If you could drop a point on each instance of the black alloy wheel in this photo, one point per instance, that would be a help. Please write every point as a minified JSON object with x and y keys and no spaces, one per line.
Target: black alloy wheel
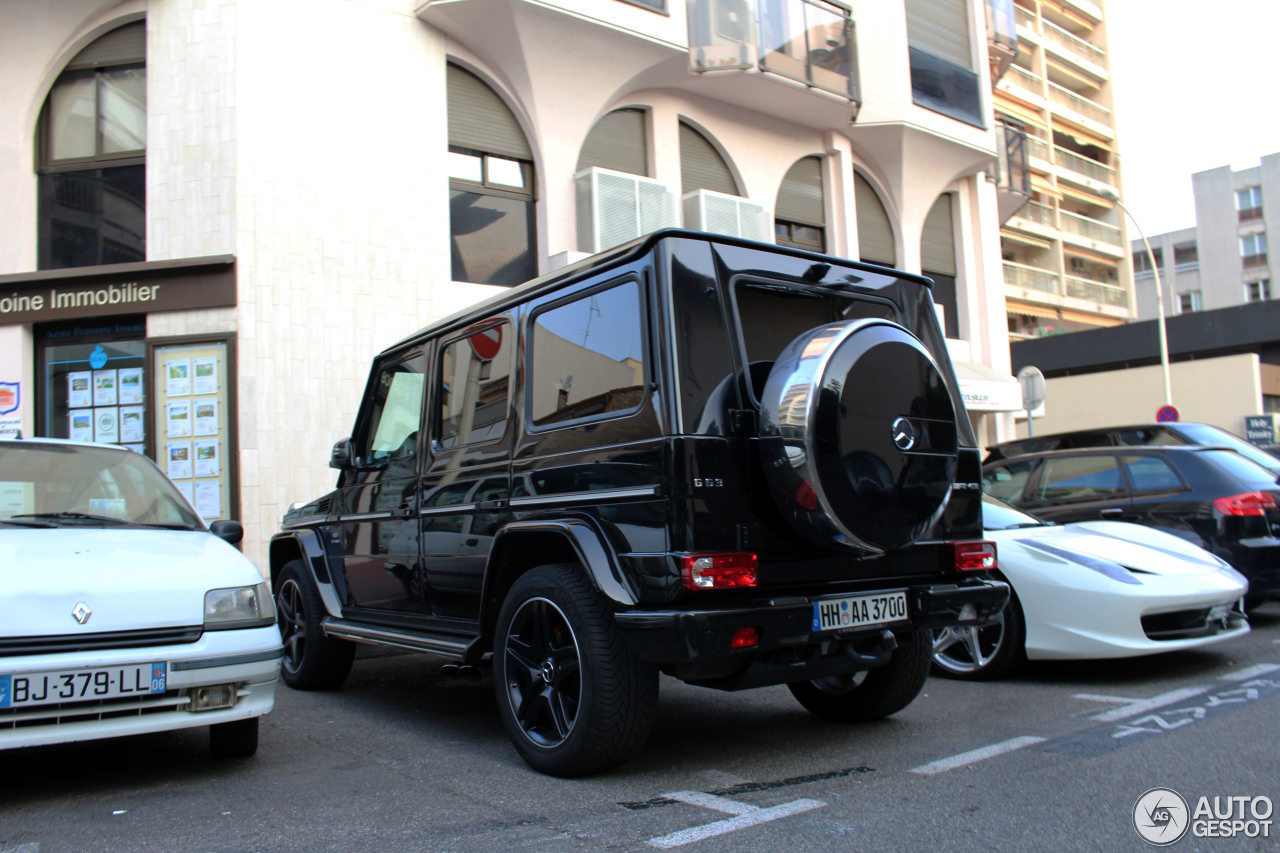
{"x":544,"y":672}
{"x":311,"y":660}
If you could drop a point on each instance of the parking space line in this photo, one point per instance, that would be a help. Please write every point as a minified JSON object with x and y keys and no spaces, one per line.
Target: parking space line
{"x":1141,"y":706}
{"x":747,"y":815}
{"x":975,"y":755}
{"x":1252,"y":671}
{"x":1098,"y":697}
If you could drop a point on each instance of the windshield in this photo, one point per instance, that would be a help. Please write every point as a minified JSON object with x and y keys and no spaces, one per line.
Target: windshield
{"x":55,"y":484}
{"x":998,"y":515}
{"x":1212,"y":435}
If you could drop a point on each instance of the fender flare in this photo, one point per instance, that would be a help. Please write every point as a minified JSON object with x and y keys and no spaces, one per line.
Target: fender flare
{"x":316,"y":550}
{"x":592,"y":547}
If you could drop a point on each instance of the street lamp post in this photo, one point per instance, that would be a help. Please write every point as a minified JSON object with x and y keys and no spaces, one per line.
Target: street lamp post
{"x":1155,"y":269}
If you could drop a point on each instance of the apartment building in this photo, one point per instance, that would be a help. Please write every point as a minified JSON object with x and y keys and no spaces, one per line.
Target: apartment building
{"x":1065,"y":253}
{"x":1222,"y":261}
{"x":220,"y":210}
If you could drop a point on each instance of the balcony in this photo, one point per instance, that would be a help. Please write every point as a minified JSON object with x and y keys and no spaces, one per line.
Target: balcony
{"x":1077,"y":51}
{"x":1081,"y":111}
{"x":1039,"y":214}
{"x":808,"y":41}
{"x":1002,"y":36}
{"x":1093,"y":231}
{"x":1095,"y":291}
{"x":1013,"y":179}
{"x":1092,"y":171}
{"x":1032,"y":278}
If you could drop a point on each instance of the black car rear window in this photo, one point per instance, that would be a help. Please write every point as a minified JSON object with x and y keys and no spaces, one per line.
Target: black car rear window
{"x":1237,"y":467}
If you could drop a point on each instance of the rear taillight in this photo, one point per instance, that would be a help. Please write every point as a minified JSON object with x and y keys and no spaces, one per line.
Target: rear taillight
{"x":724,"y":570}
{"x":974,"y":556}
{"x":1249,"y":504}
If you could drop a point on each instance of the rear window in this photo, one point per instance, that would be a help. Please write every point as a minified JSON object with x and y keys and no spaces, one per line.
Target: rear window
{"x":1242,"y":469}
{"x":1079,"y":477}
{"x":1211,"y":435}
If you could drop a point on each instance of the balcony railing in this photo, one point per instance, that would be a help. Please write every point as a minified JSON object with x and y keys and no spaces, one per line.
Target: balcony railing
{"x":1084,"y":166}
{"x":806,"y":40}
{"x":1034,"y":278}
{"x":1026,"y":19}
{"x":1025,"y":79}
{"x":1077,"y":46}
{"x":1011,"y":164}
{"x":1039,"y":149}
{"x":1036,"y":212}
{"x":1091,"y":228}
{"x":1083,"y":106}
{"x":1094,"y":291}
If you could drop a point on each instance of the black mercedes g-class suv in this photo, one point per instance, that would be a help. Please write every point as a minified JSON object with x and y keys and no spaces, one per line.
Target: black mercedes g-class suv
{"x":730,"y":462}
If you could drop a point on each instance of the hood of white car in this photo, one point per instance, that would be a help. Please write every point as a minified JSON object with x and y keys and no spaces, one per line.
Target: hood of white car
{"x":1131,"y":546}
{"x":127,"y":579}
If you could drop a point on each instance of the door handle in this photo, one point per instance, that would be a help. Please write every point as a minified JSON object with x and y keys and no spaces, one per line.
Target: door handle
{"x":402,"y":511}
{"x":1111,"y":512}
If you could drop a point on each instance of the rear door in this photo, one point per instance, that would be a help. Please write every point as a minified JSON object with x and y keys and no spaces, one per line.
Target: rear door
{"x":1079,"y":487}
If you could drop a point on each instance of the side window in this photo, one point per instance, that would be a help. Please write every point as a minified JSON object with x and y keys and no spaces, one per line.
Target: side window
{"x":587,"y":357}
{"x":1151,"y":473}
{"x":1076,"y":477}
{"x":395,"y":412}
{"x":1007,"y":481}
{"x":475,"y":386}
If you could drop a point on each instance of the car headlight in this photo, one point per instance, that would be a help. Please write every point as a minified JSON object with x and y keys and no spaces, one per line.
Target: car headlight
{"x":239,"y":607}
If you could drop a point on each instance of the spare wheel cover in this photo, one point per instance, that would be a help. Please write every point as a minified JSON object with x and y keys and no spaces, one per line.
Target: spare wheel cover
{"x":859,"y":433}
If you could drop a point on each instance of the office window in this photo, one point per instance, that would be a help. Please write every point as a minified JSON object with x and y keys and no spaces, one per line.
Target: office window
{"x":1142,"y":260}
{"x":91,"y":166}
{"x":941,"y":58}
{"x":1190,"y":301}
{"x":1249,"y":204}
{"x":1186,"y":255}
{"x":1257,"y":291}
{"x":491,"y":187}
{"x":800,"y":208}
{"x":875,"y":232}
{"x":1253,"y":250}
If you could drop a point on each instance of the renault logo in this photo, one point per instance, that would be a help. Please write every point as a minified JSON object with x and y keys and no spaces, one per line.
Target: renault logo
{"x":81,"y":613}
{"x":905,"y":434}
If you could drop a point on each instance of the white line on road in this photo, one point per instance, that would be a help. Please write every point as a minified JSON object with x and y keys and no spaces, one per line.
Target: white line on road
{"x":1141,"y":706}
{"x":1252,"y":672}
{"x":945,"y":764}
{"x":747,"y":815}
{"x":1098,"y":697}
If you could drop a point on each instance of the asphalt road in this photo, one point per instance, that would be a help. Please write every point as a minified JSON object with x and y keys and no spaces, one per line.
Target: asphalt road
{"x":402,"y":759}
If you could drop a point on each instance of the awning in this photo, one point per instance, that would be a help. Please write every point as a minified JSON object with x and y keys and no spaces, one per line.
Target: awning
{"x":1021,"y":113}
{"x":1030,"y":310}
{"x":1085,"y":195}
{"x":987,"y":390}
{"x":1008,"y":234}
{"x":1042,"y":186}
{"x":1088,"y":255}
{"x":1092,"y":319}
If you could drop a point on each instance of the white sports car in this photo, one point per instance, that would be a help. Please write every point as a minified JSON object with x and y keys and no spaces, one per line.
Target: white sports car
{"x":120,"y":611}
{"x":1093,"y":589}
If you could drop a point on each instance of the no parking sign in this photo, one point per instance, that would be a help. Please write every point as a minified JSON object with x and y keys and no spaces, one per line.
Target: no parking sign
{"x":1166,"y":414}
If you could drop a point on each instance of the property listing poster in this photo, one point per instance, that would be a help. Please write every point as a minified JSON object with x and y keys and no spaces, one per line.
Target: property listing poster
{"x":191,"y":385}
{"x":107,"y":405}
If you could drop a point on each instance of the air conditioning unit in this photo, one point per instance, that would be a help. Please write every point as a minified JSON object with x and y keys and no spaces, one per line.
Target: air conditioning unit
{"x":614,"y":207}
{"x":722,"y":34}
{"x":719,"y":213}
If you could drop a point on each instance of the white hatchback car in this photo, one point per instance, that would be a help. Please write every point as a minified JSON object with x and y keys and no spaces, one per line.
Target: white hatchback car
{"x":120,"y":611}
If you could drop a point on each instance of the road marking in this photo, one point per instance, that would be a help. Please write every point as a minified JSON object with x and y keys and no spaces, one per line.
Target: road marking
{"x":1252,"y":672}
{"x":1141,"y":706}
{"x":975,"y":755}
{"x":1098,"y":697}
{"x":746,"y":815}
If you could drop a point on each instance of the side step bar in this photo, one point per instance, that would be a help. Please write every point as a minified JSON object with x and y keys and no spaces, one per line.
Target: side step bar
{"x":438,"y":644}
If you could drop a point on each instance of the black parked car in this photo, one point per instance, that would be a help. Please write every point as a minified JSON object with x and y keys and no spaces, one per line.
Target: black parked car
{"x":1212,"y":496}
{"x":738,"y":464}
{"x":1176,"y":432}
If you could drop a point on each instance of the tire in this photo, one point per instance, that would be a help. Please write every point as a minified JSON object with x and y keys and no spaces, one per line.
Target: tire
{"x":859,"y":436}
{"x":237,"y":739}
{"x":311,"y":660}
{"x":871,"y":695}
{"x":573,"y":697}
{"x":981,"y":654}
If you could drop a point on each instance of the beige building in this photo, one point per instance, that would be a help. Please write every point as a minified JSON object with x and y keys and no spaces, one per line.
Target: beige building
{"x":1065,"y":253}
{"x":220,"y":210}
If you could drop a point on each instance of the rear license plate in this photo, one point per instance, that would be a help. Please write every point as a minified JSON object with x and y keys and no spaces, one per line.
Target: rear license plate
{"x":83,"y":685}
{"x":860,"y":611}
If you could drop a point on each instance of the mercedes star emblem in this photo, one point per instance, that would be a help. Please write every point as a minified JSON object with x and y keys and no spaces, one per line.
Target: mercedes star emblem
{"x":905,"y":434}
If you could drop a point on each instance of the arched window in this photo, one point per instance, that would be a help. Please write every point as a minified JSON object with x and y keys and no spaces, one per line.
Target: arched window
{"x":875,"y":233}
{"x":938,"y":259}
{"x":491,"y":198}
{"x":91,"y":163}
{"x":617,"y":142}
{"x":800,"y":212}
{"x":701,"y":166}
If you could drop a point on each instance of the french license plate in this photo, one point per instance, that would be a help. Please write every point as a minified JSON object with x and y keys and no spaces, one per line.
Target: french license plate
{"x":82,"y":685}
{"x":860,"y":611}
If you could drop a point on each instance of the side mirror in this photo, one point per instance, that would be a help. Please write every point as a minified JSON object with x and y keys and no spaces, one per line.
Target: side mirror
{"x":230,"y":531}
{"x":340,"y":456}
